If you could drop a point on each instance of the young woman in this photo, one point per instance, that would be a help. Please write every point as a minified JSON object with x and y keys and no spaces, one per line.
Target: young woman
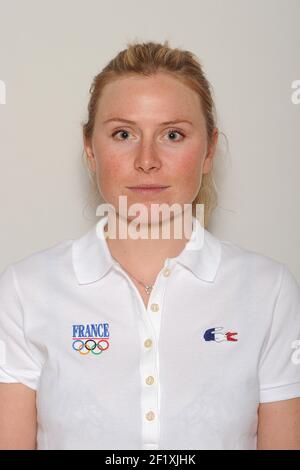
{"x":122,"y":342}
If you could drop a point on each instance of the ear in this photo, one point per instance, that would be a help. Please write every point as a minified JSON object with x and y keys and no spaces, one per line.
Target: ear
{"x":89,"y":153}
{"x":208,"y":161}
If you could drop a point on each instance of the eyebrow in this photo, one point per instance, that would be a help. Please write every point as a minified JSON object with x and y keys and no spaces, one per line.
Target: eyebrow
{"x":119,"y":119}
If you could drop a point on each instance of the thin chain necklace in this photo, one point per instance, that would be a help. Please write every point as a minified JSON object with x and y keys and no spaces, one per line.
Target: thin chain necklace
{"x":148,"y":287}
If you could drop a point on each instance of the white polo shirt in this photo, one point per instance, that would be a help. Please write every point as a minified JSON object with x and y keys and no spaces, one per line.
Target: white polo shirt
{"x":220,"y":335}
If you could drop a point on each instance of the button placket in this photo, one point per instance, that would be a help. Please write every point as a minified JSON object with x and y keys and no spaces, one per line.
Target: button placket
{"x":157,"y":296}
{"x":149,"y":391}
{"x":149,"y":328}
{"x":150,"y":362}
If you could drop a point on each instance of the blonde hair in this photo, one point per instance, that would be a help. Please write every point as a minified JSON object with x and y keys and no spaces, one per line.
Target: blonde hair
{"x":147,"y":59}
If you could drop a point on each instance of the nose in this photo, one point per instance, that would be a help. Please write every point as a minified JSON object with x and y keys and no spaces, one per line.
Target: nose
{"x":147,"y":157}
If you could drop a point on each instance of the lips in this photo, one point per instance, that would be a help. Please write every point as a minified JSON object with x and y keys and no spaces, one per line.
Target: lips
{"x":147,"y":189}
{"x":148,"y":186}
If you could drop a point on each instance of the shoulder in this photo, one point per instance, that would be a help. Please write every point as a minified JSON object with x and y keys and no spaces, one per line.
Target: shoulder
{"x":250,"y":265}
{"x":264,"y":282}
{"x":41,"y":264}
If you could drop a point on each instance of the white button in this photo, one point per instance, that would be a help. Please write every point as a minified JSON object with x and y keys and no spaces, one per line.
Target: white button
{"x":150,"y":416}
{"x":150,"y":380}
{"x":148,"y":343}
{"x":166,"y":272}
{"x":154,"y":307}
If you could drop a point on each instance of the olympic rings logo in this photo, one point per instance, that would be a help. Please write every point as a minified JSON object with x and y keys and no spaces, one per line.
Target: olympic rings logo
{"x":90,"y":345}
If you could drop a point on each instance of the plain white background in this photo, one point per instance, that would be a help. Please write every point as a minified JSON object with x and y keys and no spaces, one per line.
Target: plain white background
{"x":49,"y":54}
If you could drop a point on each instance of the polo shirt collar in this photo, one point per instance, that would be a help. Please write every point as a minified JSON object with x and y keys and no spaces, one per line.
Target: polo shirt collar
{"x":92,"y":259}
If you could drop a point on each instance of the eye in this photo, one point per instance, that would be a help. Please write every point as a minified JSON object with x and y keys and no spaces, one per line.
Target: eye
{"x":171,"y":132}
{"x":123,"y":131}
{"x":176,"y":131}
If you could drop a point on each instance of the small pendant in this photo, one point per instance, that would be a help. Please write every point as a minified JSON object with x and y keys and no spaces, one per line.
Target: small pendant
{"x":148,"y":289}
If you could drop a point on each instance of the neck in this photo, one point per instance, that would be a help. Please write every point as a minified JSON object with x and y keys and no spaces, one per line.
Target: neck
{"x":145,"y":256}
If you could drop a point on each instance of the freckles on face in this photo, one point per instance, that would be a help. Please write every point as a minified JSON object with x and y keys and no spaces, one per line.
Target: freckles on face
{"x":149,"y":102}
{"x":109,"y":176}
{"x":187,"y":174}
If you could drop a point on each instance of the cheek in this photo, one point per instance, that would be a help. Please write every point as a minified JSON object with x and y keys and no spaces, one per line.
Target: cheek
{"x":106,"y":175}
{"x":189,"y":168}
{"x":109,"y":169}
{"x":106,"y":162}
{"x":111,"y":175}
{"x":111,"y":165}
{"x":187,"y":176}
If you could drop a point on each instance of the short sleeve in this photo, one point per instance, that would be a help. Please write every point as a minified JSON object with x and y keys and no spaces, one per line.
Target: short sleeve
{"x":17,"y":363}
{"x":279,"y":369}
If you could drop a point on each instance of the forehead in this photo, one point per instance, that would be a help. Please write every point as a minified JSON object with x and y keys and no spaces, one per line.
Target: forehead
{"x":158,"y":95}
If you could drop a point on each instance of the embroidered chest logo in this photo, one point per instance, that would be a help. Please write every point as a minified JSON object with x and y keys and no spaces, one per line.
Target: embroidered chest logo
{"x":92,"y":338}
{"x":215,"y":334}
